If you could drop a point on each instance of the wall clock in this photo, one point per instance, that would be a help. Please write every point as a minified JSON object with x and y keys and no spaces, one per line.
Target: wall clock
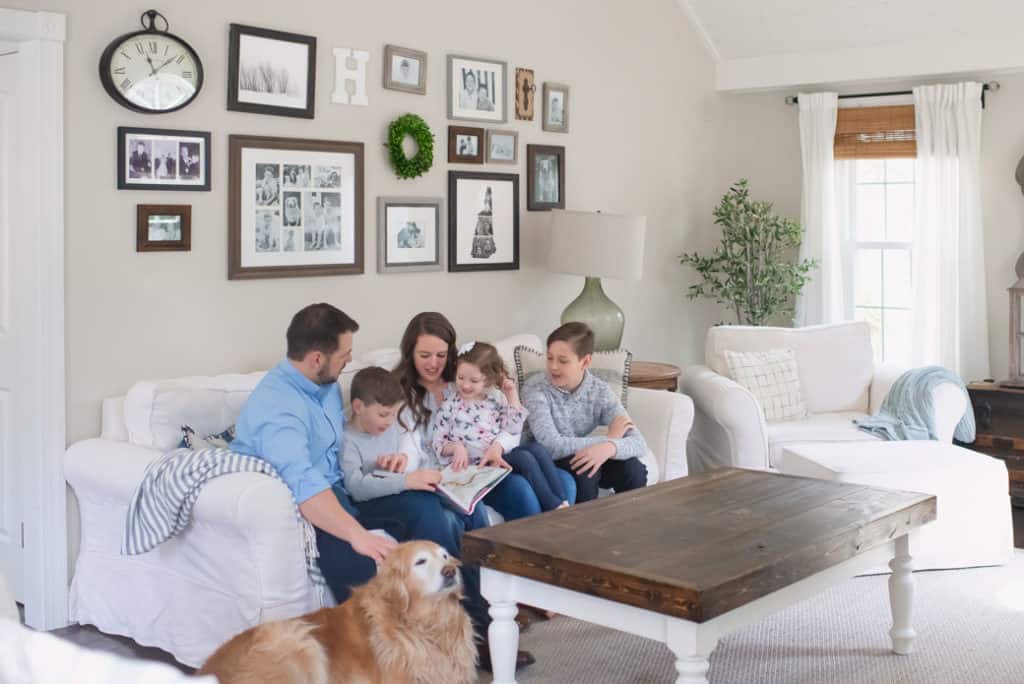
{"x":151,"y":71}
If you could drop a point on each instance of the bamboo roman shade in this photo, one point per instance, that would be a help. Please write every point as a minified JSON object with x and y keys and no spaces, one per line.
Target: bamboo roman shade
{"x":874,"y":132}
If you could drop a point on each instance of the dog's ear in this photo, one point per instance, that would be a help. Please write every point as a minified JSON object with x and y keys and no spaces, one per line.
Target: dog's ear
{"x":393,"y":588}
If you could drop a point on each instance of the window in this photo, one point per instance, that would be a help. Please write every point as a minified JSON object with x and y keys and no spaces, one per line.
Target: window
{"x":880,"y":226}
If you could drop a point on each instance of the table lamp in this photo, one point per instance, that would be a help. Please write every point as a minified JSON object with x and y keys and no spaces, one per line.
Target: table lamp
{"x":595,"y":246}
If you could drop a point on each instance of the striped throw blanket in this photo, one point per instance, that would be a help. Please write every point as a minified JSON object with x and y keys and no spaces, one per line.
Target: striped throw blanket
{"x":162,"y":505}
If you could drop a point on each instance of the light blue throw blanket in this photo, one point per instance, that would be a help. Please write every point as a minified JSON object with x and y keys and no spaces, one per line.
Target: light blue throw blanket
{"x":908,"y":413}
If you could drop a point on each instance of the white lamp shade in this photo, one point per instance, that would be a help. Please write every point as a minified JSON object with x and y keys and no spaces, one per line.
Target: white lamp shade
{"x":596,"y":245}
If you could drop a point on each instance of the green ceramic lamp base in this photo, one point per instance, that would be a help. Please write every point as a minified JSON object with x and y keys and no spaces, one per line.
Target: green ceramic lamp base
{"x":603,"y":315}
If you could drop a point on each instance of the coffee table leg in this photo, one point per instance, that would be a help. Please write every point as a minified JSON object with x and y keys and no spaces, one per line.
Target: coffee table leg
{"x":691,"y":661}
{"x":503,"y":635}
{"x":901,"y":598}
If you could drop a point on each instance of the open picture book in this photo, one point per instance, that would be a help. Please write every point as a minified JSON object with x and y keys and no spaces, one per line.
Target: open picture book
{"x":466,"y":487}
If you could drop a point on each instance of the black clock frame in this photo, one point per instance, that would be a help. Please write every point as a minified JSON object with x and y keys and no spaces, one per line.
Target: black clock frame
{"x":108,"y":54}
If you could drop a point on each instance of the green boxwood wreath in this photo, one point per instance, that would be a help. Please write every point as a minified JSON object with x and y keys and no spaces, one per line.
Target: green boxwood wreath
{"x":414,"y":126}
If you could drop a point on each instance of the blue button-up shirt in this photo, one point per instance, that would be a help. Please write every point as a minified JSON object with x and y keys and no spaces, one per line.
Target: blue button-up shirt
{"x":296,"y":425}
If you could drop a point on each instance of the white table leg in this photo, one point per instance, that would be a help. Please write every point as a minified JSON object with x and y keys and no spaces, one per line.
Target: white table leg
{"x":503,"y":635}
{"x":901,"y":598}
{"x":691,"y":657}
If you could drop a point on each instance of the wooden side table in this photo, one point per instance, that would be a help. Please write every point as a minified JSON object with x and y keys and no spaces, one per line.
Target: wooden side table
{"x":652,"y":375}
{"x":999,"y":417}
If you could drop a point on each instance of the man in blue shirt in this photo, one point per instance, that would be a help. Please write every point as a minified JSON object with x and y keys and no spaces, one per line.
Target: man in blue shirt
{"x":294,"y":419}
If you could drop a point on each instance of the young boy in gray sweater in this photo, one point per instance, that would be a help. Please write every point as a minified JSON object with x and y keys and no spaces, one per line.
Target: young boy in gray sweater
{"x":373,"y":461}
{"x":567,"y":403}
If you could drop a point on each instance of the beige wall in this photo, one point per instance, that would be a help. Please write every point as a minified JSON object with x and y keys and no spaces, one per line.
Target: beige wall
{"x":641,"y":107}
{"x":761,"y":141}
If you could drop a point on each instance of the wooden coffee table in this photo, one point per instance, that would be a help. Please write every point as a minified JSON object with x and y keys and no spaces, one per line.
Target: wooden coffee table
{"x":688,"y":561}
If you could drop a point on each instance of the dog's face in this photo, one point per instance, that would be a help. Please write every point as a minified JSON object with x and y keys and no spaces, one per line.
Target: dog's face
{"x":424,"y":568}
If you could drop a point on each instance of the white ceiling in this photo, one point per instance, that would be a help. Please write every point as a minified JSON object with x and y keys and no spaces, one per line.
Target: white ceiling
{"x":808,"y":38}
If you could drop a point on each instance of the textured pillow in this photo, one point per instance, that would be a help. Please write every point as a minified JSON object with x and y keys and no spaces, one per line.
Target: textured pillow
{"x":220,"y":440}
{"x":610,"y":366}
{"x":772,"y":377}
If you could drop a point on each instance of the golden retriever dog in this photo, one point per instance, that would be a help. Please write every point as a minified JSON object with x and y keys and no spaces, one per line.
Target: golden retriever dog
{"x":405,"y":626}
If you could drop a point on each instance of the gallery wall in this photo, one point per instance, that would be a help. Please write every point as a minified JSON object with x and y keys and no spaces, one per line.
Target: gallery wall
{"x":641,"y":108}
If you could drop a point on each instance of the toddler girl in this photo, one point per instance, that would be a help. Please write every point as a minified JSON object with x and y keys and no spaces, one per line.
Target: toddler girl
{"x":475,"y":412}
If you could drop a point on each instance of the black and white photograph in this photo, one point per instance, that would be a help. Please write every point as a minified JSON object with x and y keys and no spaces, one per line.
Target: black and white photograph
{"x":328,"y":177}
{"x":502,"y":147}
{"x":163,"y":228}
{"x":268,"y":230}
{"x":322,"y":220}
{"x":483,"y":221}
{"x":268,"y":185}
{"x":297,"y":176}
{"x":556,"y":108}
{"x":465,"y":145}
{"x":545,"y":177}
{"x":311,"y":231}
{"x":476,"y":89}
{"x":293,"y":208}
{"x":271,"y":72}
{"x":405,"y":70}
{"x":162,"y":159}
{"x":409,"y":234}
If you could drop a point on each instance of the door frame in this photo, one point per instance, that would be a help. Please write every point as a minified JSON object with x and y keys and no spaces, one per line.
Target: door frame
{"x":38,"y":153}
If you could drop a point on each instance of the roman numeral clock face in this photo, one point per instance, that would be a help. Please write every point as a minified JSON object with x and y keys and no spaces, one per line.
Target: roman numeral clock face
{"x":151,"y":72}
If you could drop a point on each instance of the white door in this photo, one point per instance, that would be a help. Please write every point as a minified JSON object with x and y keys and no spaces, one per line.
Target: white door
{"x":13,"y":399}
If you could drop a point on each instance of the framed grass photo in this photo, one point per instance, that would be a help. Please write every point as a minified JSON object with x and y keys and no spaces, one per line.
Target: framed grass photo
{"x":295,"y":207}
{"x":163,"y":228}
{"x":502,"y":147}
{"x":162,"y":159}
{"x":410,"y":235}
{"x":271,"y":72}
{"x":465,"y":145}
{"x":483,"y":221}
{"x":477,"y":89}
{"x":405,"y":70}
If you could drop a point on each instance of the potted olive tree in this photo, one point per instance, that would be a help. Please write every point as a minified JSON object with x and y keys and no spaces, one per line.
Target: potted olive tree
{"x":753,"y":270}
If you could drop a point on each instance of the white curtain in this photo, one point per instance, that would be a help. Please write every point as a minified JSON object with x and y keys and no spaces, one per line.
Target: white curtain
{"x":950,"y":320}
{"x":822,"y":298}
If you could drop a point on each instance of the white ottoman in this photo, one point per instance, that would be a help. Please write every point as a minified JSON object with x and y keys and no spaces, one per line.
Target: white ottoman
{"x":974,"y":525}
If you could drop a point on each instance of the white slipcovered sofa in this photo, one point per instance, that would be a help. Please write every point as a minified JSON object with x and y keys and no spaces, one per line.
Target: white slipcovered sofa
{"x":838,"y":379}
{"x":240,"y":562}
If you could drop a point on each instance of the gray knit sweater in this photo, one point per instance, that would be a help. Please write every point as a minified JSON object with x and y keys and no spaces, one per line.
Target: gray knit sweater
{"x":561,"y":420}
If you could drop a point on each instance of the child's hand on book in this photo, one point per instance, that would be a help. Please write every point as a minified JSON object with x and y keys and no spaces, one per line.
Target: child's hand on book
{"x":460,"y":457}
{"x":425,"y":480}
{"x":393,"y":463}
{"x":619,"y":426}
{"x":493,"y":457}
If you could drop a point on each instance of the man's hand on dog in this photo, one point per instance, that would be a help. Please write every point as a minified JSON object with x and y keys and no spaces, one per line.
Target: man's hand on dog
{"x":372,"y":545}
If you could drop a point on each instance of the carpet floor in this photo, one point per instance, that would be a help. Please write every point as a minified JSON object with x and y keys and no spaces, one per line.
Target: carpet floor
{"x":970,"y":626}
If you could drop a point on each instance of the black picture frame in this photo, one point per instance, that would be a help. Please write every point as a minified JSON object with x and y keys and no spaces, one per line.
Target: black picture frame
{"x":533,"y":202}
{"x":127,"y":179}
{"x":454,"y":244}
{"x":236,"y":105}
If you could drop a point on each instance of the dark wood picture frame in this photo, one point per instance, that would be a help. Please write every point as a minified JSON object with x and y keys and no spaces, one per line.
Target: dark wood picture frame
{"x":124,"y":182}
{"x":533,"y":203}
{"x":236,"y":32}
{"x":236,"y":144}
{"x":453,"y":135}
{"x":144,"y":213}
{"x":453,"y":218}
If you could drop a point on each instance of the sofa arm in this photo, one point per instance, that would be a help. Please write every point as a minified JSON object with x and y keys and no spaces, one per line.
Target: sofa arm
{"x":948,"y":399}
{"x":728,"y":425}
{"x":664,"y":419}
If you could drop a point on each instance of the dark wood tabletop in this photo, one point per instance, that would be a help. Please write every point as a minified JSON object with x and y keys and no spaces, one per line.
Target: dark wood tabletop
{"x":699,"y":546}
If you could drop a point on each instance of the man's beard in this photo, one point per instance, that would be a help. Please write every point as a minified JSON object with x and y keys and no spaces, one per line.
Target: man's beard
{"x":324,"y":377}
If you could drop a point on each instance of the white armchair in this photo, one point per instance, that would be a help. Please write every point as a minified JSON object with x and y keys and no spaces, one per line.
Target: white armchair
{"x":839,"y":383}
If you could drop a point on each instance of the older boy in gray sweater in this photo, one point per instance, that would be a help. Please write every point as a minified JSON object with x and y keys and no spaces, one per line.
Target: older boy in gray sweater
{"x":567,"y":403}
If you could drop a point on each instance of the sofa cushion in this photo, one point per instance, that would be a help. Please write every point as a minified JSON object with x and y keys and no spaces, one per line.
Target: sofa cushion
{"x":610,"y":366}
{"x":816,"y":427}
{"x":772,"y":377}
{"x":835,"y":361}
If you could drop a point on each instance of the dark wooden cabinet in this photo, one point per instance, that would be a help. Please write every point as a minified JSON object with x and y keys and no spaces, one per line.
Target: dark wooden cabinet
{"x":999,"y":416}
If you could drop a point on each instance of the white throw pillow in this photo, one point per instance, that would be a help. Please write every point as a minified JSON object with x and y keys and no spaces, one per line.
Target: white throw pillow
{"x":610,"y":366}
{"x":772,"y":377}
